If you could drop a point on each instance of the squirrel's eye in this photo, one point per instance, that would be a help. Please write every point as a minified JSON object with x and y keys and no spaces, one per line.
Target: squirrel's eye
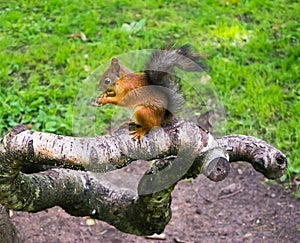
{"x":107,"y":81}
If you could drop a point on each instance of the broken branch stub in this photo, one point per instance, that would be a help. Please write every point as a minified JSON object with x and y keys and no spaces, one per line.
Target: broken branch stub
{"x":264,"y":157}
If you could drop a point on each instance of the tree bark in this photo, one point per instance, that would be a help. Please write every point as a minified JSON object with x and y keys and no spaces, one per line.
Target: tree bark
{"x":184,"y":150}
{"x":264,"y":157}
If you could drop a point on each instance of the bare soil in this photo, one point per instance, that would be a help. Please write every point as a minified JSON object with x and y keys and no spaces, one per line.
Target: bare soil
{"x":245,"y":207}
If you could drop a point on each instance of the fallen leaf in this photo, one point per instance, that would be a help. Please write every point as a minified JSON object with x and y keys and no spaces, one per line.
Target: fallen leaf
{"x":80,"y":35}
{"x":83,"y":36}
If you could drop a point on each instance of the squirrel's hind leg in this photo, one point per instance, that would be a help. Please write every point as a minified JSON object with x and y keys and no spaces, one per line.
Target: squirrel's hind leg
{"x":146,"y":117}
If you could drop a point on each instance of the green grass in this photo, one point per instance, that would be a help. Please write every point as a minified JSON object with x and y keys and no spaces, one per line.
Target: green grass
{"x":252,"y":48}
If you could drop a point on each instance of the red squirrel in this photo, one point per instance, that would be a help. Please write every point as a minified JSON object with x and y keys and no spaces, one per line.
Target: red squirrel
{"x":152,"y":93}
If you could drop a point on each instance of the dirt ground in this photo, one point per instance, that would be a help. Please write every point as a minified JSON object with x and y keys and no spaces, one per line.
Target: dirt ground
{"x":245,"y":207}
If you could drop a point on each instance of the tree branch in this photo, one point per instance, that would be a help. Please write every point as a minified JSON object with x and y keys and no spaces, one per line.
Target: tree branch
{"x":264,"y":157}
{"x":182,"y":151}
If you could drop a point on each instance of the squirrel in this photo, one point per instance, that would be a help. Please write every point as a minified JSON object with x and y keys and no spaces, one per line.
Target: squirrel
{"x":152,"y":94}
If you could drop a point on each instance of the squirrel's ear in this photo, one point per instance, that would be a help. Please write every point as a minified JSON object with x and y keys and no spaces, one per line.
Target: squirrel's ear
{"x":115,"y":66}
{"x":114,"y":60}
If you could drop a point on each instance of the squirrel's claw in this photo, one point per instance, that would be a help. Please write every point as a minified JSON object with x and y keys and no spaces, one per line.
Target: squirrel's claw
{"x":95,"y":103}
{"x":137,"y":137}
{"x":138,"y":134}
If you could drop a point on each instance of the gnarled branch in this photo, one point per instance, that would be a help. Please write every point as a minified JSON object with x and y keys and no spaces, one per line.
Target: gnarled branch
{"x":182,"y":151}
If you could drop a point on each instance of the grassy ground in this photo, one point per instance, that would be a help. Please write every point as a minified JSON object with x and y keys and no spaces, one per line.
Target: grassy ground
{"x":252,"y":48}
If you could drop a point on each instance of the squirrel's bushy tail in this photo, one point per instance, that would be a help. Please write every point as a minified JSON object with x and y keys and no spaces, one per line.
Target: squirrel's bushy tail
{"x":160,"y":72}
{"x":160,"y":68}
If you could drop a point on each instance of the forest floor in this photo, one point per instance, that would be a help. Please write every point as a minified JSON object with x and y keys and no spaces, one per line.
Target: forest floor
{"x":245,"y":207}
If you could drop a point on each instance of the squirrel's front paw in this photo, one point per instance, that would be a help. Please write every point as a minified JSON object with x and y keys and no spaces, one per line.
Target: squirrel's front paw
{"x":100,"y":100}
{"x":103,"y":101}
{"x":97,"y":101}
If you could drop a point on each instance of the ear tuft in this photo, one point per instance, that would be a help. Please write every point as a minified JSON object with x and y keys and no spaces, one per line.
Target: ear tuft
{"x":115,"y":66}
{"x":114,"y":60}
